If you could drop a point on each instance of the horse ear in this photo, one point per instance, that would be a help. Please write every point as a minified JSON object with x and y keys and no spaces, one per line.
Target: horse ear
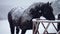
{"x":50,"y":3}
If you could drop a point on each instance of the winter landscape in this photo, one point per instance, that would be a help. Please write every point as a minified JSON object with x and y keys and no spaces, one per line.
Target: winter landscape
{"x":7,"y":5}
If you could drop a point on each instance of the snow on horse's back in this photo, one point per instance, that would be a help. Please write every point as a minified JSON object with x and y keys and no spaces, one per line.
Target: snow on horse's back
{"x":17,"y":13}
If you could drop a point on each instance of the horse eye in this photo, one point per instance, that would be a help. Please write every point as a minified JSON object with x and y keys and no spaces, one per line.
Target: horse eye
{"x":39,"y":11}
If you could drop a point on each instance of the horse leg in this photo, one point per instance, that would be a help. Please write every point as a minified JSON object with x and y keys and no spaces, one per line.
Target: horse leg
{"x":12,"y":27}
{"x":17,"y":30}
{"x":23,"y":31}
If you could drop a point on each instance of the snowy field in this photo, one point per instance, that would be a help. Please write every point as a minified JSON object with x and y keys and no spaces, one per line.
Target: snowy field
{"x":6,"y":5}
{"x":4,"y":28}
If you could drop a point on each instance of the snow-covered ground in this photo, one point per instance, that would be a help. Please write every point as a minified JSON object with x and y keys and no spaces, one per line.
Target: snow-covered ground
{"x":4,"y":28}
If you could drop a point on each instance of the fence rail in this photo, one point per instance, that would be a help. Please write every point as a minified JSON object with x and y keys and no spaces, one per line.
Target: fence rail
{"x":37,"y":21}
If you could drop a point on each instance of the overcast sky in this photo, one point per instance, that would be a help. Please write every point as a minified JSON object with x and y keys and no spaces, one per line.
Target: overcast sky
{"x":23,"y":3}
{"x":7,"y":5}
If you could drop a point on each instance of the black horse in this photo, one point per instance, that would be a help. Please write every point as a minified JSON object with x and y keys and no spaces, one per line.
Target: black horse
{"x":23,"y":19}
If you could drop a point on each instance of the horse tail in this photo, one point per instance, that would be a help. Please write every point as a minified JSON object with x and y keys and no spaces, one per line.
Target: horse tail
{"x":9,"y":17}
{"x":10,"y":20}
{"x":10,"y":14}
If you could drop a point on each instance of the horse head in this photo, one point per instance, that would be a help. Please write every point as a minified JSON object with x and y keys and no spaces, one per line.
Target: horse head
{"x":47,"y":11}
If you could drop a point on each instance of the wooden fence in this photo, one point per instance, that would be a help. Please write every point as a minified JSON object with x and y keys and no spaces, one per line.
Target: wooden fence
{"x":37,"y":21}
